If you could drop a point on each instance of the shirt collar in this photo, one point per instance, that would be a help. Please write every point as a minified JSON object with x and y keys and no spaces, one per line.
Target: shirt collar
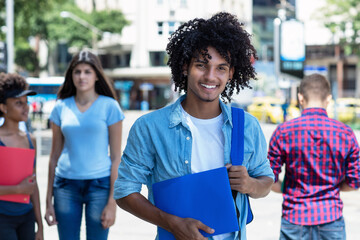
{"x":176,"y":115}
{"x":314,"y":111}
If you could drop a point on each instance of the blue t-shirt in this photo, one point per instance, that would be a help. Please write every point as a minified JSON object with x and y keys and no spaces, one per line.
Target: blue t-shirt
{"x":86,"y":137}
{"x":14,"y":208}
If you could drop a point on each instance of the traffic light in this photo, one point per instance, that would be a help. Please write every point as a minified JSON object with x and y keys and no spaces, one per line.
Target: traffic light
{"x":3,"y":57}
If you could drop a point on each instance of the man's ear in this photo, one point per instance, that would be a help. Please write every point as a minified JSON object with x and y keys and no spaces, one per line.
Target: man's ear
{"x":301,"y":99}
{"x":185,"y":70}
{"x":328,"y":99}
{"x":231,"y":73}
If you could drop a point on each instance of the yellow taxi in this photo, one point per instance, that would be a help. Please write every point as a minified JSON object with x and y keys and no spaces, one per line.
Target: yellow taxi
{"x":269,"y":109}
{"x":347,"y":109}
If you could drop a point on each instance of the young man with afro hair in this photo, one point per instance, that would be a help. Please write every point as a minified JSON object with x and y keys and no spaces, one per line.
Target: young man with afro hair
{"x":208,"y":59}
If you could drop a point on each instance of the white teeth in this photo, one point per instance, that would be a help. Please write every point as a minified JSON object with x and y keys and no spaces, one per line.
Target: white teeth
{"x":208,"y":86}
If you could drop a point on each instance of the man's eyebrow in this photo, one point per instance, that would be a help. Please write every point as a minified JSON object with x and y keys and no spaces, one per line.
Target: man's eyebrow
{"x":224,"y":64}
{"x":200,"y":61}
{"x":207,"y":62}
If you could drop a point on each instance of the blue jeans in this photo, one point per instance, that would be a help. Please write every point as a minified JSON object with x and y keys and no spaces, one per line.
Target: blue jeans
{"x":328,"y":231}
{"x":18,"y":227}
{"x":69,"y":198}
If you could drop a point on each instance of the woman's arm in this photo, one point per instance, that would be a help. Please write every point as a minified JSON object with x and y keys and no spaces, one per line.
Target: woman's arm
{"x":56,"y":148}
{"x":115,"y":135}
{"x":35,"y":199}
{"x":27,"y":186}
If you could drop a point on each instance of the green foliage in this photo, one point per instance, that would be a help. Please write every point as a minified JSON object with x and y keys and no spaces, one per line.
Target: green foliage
{"x":42,"y":18}
{"x":342,"y":18}
{"x":109,"y":21}
{"x":26,"y":57}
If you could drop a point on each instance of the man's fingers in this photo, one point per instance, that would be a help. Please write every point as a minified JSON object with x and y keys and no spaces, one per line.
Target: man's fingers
{"x":205,"y":228}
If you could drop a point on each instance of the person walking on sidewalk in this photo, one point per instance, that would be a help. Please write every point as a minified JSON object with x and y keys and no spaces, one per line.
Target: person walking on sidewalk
{"x":86,"y":121}
{"x":209,"y":59}
{"x":321,"y":157}
{"x":17,"y":220}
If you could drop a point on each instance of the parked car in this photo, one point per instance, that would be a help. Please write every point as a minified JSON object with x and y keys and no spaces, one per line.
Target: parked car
{"x":269,"y":109}
{"x":347,"y":109}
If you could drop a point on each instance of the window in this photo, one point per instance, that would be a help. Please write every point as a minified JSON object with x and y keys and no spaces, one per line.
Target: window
{"x":349,"y":77}
{"x":183,"y":3}
{"x":158,"y":59}
{"x":171,"y":27}
{"x":160,"y":28}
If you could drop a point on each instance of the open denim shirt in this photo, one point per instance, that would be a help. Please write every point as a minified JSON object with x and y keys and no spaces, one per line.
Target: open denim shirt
{"x":159,"y":148}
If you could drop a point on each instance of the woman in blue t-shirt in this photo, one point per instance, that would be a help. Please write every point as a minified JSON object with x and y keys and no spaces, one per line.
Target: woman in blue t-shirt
{"x":86,"y":121}
{"x":17,"y":219}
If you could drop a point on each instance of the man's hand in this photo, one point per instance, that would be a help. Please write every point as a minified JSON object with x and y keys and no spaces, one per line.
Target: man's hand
{"x":188,"y":229}
{"x":239,"y":179}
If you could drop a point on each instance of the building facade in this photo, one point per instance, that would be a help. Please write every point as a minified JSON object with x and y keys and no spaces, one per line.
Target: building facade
{"x":136,"y":60}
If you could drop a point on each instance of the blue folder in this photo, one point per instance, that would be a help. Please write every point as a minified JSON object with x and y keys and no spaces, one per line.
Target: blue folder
{"x":205,"y":196}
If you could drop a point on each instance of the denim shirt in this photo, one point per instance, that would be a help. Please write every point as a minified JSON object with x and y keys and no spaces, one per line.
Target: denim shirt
{"x":159,"y":148}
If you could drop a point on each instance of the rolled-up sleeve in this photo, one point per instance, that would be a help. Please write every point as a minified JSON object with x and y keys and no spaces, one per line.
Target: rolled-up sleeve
{"x":136,"y":162}
{"x":256,"y":154}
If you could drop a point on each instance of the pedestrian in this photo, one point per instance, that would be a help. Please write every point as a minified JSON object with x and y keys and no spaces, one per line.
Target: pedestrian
{"x":86,"y":121}
{"x":209,"y":59}
{"x":17,"y":220}
{"x":321,"y":157}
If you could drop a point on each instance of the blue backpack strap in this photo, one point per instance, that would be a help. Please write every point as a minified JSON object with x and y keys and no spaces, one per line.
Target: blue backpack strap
{"x":237,"y":146}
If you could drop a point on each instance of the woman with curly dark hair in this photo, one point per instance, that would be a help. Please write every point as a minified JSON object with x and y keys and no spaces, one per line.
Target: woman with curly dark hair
{"x":17,"y":219}
{"x":208,"y":59}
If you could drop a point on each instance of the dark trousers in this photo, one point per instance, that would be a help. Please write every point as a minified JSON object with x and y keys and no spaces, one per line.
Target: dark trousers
{"x":17,"y":227}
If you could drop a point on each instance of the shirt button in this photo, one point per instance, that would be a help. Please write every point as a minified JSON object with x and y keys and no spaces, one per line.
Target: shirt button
{"x":186,"y":161}
{"x":187,"y":138}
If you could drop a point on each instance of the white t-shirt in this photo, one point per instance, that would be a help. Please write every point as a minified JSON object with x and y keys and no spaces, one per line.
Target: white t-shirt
{"x":207,"y":147}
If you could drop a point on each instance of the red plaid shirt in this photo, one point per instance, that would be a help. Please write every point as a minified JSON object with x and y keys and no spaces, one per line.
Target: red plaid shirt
{"x":319,"y":153}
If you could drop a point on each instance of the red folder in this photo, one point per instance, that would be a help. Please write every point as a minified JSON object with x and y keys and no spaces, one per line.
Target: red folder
{"x":15,"y":165}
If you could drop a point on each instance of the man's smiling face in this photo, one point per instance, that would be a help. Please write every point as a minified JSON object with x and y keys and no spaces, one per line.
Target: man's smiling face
{"x":207,"y":78}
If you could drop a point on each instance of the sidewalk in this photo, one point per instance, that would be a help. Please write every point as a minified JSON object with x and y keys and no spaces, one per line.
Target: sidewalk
{"x":267,"y":211}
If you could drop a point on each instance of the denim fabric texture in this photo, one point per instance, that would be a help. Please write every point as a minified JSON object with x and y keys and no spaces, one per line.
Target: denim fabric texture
{"x":159,"y":147}
{"x":70,"y":196}
{"x":328,"y":231}
{"x":20,"y":227}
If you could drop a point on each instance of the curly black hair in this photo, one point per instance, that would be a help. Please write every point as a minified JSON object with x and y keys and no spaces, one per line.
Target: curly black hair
{"x":9,"y":82}
{"x":225,"y":33}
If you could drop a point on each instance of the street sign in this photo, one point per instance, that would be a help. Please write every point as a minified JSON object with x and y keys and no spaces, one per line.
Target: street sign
{"x":292,"y":48}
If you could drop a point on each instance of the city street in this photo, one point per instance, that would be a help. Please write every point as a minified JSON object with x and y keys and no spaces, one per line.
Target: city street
{"x":267,"y":211}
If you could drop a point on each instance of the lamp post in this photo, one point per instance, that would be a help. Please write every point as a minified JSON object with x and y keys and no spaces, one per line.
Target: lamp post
{"x":10,"y":35}
{"x":94,"y":30}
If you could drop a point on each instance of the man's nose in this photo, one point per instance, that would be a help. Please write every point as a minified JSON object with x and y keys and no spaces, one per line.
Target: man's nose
{"x":210,"y":73}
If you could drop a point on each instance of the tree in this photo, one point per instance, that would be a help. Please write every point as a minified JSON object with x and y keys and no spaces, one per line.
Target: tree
{"x":40,"y":20}
{"x":342,"y":18}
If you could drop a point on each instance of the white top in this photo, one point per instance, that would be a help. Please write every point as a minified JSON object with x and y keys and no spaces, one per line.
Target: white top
{"x":207,"y":148}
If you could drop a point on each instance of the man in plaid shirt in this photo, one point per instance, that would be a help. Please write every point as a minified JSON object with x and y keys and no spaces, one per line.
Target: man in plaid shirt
{"x":321,"y":157}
